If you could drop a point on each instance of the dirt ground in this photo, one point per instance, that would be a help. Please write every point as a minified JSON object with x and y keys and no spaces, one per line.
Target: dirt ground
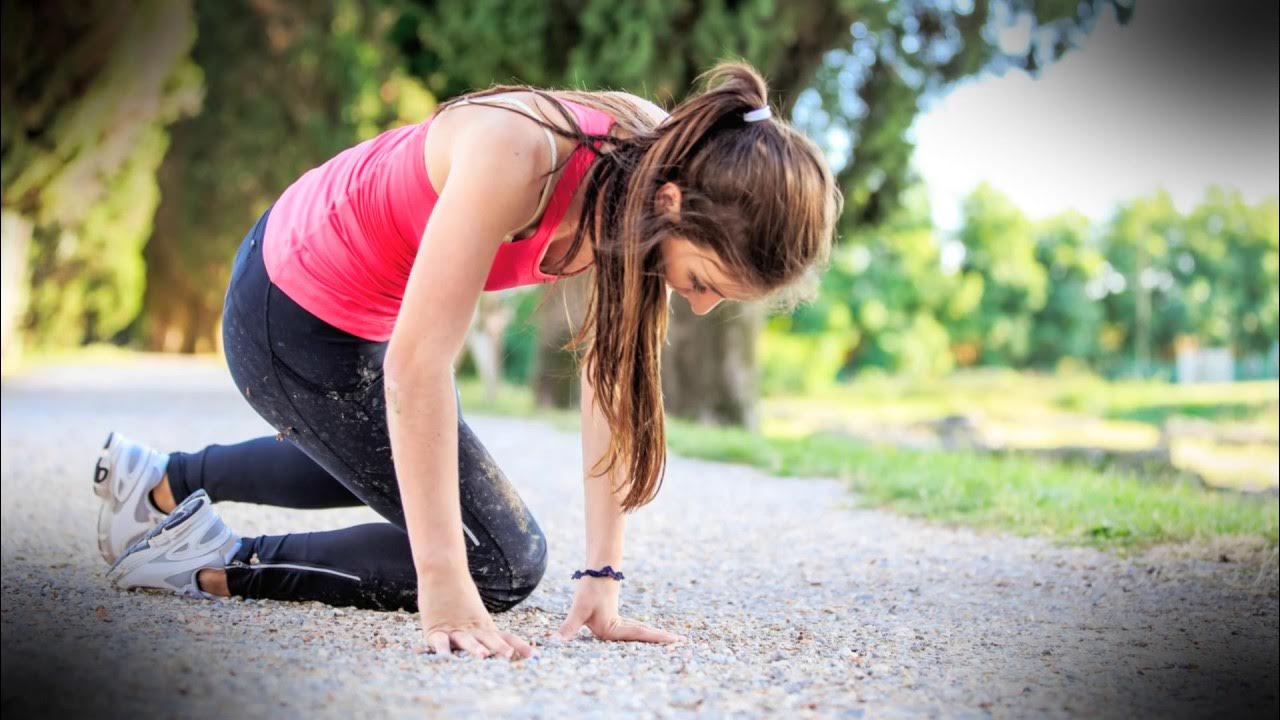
{"x":797,"y":602}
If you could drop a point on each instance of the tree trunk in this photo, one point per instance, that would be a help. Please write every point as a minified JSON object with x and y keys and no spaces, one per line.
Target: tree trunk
{"x":171,"y":295}
{"x":555,"y":372}
{"x":709,"y":364}
{"x":484,"y":341}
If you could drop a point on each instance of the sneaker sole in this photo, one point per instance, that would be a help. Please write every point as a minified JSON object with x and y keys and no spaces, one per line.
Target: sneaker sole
{"x":160,"y":540}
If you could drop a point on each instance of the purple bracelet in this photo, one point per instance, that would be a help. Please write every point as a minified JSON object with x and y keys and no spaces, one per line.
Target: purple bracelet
{"x":606,"y":571}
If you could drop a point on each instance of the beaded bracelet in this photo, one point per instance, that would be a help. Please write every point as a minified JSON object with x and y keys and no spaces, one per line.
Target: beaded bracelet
{"x":606,"y":571}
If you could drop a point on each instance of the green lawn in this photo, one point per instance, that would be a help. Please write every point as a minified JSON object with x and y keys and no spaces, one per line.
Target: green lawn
{"x":1027,"y":410}
{"x":1020,"y":495}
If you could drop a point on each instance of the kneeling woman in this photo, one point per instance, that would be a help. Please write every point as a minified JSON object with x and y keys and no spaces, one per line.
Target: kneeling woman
{"x":350,"y":298}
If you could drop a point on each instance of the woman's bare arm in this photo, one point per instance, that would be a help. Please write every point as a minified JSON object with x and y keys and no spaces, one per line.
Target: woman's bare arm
{"x":595,"y":600}
{"x":604,"y":516}
{"x":492,"y":186}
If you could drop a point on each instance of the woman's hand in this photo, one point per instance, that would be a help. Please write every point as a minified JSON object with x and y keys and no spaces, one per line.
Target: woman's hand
{"x":453,"y":617}
{"x":595,"y":604}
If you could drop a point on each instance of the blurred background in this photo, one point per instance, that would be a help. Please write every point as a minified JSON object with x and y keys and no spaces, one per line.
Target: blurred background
{"x":1056,"y":278}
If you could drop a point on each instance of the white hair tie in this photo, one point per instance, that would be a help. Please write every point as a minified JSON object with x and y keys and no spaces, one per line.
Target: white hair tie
{"x":763,"y":113}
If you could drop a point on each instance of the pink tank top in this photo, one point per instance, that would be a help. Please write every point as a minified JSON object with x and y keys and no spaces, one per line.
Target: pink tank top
{"x":342,"y":239}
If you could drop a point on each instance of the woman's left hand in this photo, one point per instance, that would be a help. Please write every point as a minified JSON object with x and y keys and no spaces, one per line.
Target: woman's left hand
{"x":595,"y":604}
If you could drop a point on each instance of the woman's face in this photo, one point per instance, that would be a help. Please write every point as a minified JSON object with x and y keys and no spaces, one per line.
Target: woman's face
{"x":693,"y":271}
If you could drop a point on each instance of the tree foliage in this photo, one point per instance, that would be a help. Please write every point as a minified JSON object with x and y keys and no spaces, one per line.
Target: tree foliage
{"x":87,"y":91}
{"x":1068,"y":323}
{"x":94,"y":95}
{"x":1209,"y":275}
{"x":852,"y":70}
{"x":1118,"y":295}
{"x":287,"y":86}
{"x":889,"y":57}
{"x":1000,"y":256}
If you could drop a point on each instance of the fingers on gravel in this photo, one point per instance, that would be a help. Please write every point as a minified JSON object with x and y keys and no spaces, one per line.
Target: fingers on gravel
{"x":439,"y":643}
{"x":522,"y":648}
{"x":464,"y":640}
{"x":639,"y":632}
{"x":495,"y":643}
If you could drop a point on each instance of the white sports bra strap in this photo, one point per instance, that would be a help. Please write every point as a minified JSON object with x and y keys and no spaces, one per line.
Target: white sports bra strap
{"x":551,"y":141}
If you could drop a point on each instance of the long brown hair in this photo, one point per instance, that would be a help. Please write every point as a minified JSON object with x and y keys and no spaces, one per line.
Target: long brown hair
{"x":757,"y":194}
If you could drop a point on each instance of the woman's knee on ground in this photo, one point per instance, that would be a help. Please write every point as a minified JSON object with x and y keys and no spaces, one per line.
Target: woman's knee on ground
{"x":525,"y":567}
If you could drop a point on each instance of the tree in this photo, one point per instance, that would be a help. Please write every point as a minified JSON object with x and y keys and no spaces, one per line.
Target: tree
{"x":287,"y":87}
{"x":1145,"y":306}
{"x":1210,"y":275}
{"x":1227,"y":263}
{"x":1000,"y":254}
{"x":1069,"y":323}
{"x":867,"y":62}
{"x":900,"y":296}
{"x":86,"y":91}
{"x":656,"y":50}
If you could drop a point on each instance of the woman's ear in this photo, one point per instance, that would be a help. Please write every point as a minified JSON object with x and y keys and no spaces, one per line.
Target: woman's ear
{"x":667,"y":199}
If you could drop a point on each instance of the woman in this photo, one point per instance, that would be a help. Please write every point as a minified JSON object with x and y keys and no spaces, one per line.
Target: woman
{"x":346,"y":309}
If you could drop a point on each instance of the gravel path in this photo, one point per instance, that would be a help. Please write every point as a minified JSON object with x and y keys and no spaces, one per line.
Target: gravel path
{"x":796,"y":602}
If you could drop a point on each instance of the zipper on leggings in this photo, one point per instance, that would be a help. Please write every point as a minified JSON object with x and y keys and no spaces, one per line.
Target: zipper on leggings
{"x":294,"y":566}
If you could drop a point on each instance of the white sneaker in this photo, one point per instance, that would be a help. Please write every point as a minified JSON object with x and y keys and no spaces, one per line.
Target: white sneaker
{"x":123,"y":477}
{"x":170,"y":555}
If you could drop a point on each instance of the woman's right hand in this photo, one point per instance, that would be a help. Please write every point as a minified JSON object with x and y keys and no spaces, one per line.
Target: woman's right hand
{"x":492,"y":165}
{"x":454,"y":618}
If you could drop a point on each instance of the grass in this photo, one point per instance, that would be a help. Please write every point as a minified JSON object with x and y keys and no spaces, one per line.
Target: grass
{"x":1010,"y":395}
{"x":1158,"y":414}
{"x":1014,"y":494}
{"x":1029,"y":410}
{"x":1106,"y":509}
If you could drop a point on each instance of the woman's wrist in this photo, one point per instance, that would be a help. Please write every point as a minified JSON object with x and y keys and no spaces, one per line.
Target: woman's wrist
{"x":597,"y":587}
{"x":442,"y":567}
{"x":599,"y":560}
{"x":604,"y":571}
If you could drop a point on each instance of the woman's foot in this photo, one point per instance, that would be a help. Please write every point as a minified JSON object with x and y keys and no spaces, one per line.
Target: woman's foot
{"x":125,"y":475}
{"x":172,"y":555}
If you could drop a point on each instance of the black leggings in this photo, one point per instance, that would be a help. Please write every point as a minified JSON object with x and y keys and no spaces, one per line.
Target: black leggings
{"x":321,"y":388}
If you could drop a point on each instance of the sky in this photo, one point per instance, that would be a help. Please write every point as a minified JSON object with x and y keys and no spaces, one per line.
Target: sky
{"x":1182,"y":97}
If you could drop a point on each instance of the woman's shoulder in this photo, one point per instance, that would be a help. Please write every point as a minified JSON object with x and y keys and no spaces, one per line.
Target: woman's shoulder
{"x":541,"y":106}
{"x":647,"y":107}
{"x":512,"y":132}
{"x":477,"y":128}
